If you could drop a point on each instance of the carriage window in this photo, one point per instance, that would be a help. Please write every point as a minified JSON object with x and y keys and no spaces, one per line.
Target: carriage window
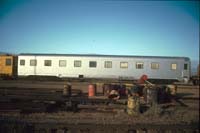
{"x":93,"y":64}
{"x":108,"y":64}
{"x":8,"y":62}
{"x":33,"y":62}
{"x":123,"y":64}
{"x":77,"y":63}
{"x":22,"y":62}
{"x":62,"y":63}
{"x":139,"y":65}
{"x":154,"y":65}
{"x":47,"y":62}
{"x":173,"y":66}
{"x":185,"y":66}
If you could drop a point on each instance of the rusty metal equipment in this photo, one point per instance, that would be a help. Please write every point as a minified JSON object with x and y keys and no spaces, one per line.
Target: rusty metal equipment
{"x":154,"y":94}
{"x":67,"y":90}
{"x":133,"y":105}
{"x":91,"y":90}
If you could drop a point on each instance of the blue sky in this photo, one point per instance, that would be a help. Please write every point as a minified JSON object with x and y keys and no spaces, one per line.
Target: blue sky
{"x":116,"y":27}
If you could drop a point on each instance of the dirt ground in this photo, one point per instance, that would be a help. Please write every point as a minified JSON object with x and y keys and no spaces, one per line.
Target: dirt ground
{"x":183,"y":112}
{"x":169,"y":118}
{"x":170,"y":115}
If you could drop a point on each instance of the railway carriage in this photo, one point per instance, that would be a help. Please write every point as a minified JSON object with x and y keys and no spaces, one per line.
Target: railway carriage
{"x":7,"y":65}
{"x":103,"y":66}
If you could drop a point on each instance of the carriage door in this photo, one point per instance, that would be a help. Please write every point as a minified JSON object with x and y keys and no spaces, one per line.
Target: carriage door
{"x":33,"y":64}
{"x":185,"y":71}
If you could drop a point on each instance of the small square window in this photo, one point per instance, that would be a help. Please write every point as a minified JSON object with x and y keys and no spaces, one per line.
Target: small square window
{"x":185,"y":66}
{"x":173,"y":66}
{"x":139,"y":65}
{"x":123,"y":64}
{"x":62,"y":63}
{"x":77,"y":63}
{"x":8,"y":62}
{"x":154,"y":65}
{"x":92,"y":64}
{"x":22,"y":62}
{"x":47,"y":63}
{"x":108,"y":64}
{"x":33,"y":62}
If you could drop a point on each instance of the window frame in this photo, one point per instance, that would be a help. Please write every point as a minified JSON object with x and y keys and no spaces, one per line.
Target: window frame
{"x":20,"y":62}
{"x":8,"y":63}
{"x":155,"y":64}
{"x":65,"y":64}
{"x":139,"y":63}
{"x":45,"y":63}
{"x":172,"y":66}
{"x":185,"y":64}
{"x":106,"y":64}
{"x":95,"y":64}
{"x":124,"y":62}
{"x":35,"y":62}
{"x":75,"y":61}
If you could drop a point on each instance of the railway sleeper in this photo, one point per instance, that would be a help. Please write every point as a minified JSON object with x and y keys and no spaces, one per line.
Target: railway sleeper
{"x":62,"y":106}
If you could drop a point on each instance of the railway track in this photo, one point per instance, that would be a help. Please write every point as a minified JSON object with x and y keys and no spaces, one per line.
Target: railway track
{"x":25,"y":101}
{"x":55,"y":94}
{"x":28,"y":101}
{"x":50,"y":127}
{"x":35,"y":102}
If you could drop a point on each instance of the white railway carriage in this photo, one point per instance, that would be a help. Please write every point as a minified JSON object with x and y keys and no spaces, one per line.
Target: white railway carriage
{"x":103,"y":66}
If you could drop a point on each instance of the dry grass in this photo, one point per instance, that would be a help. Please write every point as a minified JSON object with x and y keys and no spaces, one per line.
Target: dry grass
{"x":155,"y":115}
